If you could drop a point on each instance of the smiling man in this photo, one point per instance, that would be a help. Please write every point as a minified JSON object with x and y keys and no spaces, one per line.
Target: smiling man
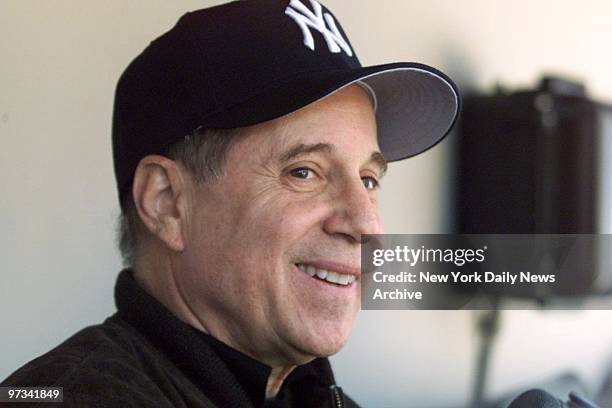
{"x":249,"y":143}
{"x":266,"y":259}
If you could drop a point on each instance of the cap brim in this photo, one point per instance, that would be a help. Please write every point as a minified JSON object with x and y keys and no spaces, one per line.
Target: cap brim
{"x":416,"y":108}
{"x":417,"y":105}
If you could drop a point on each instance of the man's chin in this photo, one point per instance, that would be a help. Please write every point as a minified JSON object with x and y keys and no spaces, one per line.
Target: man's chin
{"x":323,"y":343}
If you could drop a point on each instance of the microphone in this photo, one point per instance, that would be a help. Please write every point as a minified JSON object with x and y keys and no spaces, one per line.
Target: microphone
{"x":537,"y":398}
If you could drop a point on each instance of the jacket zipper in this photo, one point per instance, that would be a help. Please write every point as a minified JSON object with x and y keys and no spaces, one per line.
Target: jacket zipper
{"x":337,"y":396}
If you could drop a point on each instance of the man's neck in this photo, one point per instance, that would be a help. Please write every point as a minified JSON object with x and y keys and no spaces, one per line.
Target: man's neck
{"x":276,"y":379}
{"x":163,"y":288}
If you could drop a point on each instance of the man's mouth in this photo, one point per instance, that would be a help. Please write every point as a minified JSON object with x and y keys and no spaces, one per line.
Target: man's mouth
{"x":327,"y":275}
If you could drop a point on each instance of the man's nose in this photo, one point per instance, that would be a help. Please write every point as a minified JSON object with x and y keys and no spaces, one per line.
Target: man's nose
{"x":355,"y":213}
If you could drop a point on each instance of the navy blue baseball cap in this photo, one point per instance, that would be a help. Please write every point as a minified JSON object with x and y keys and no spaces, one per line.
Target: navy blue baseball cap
{"x":250,"y":61}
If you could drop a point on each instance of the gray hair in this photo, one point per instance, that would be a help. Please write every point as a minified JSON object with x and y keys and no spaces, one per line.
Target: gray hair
{"x":203,"y":154}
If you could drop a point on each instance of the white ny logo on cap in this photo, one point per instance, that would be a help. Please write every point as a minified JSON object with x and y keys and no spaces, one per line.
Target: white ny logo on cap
{"x":305,"y":18}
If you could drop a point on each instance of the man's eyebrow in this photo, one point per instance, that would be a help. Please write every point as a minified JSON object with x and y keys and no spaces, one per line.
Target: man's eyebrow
{"x":378,"y":159}
{"x":303,"y":149}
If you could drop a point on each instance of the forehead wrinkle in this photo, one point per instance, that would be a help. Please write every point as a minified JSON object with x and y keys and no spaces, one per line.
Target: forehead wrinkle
{"x":303,"y":149}
{"x":280,"y":128}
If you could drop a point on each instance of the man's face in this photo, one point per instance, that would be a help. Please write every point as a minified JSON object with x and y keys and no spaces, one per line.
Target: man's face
{"x":297,"y":194}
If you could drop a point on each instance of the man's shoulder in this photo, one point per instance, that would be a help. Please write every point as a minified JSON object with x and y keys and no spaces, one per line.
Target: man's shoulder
{"x":79,"y":353}
{"x":109,"y":358}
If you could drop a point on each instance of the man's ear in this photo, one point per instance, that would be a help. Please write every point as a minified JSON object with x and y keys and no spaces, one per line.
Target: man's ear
{"x":159,"y":192}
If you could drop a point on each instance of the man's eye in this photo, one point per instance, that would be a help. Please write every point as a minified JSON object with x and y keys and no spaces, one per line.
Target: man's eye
{"x":370,"y":183}
{"x":302,"y":173}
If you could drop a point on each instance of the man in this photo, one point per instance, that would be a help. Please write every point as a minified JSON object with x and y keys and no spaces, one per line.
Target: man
{"x":248,"y":147}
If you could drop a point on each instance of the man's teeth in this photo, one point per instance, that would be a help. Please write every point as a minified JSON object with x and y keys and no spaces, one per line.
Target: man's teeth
{"x":330,"y":276}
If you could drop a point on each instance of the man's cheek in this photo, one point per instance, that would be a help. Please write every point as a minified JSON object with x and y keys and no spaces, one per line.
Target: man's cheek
{"x":300,"y":216}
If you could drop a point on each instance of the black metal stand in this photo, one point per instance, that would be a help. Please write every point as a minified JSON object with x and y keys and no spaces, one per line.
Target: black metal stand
{"x":488,"y":324}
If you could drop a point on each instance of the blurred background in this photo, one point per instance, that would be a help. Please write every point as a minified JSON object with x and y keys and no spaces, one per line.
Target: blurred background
{"x":60,"y":62}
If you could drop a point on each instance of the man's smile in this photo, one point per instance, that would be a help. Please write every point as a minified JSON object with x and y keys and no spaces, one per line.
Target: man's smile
{"x":329,"y":275}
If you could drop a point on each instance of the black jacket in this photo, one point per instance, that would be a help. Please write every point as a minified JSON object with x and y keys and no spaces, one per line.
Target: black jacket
{"x":143,"y":356}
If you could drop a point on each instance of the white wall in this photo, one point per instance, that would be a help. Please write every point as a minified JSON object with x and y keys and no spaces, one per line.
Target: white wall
{"x":60,"y":61}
